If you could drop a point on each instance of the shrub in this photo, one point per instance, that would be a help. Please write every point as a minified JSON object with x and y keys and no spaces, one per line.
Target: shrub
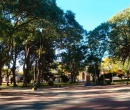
{"x":50,"y":83}
{"x":64,"y":78}
{"x":121,"y":75}
{"x":110,"y":75}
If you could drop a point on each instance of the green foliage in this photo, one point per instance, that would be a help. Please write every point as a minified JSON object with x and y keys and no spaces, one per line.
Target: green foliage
{"x":119,"y":35}
{"x":110,"y":75}
{"x":64,"y":78}
{"x":50,"y":83}
{"x":113,"y":38}
{"x":21,"y":25}
{"x":97,"y":41}
{"x":121,"y":76}
{"x":72,"y":53}
{"x":73,"y":60}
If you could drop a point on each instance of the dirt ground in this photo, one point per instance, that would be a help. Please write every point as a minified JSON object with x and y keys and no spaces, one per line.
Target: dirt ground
{"x":112,"y":97}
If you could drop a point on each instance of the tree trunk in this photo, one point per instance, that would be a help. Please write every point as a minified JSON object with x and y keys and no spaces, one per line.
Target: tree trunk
{"x":13,"y":72}
{"x":14,"y":67}
{"x":39,"y":72}
{"x":1,"y":66}
{"x":25,"y":78}
{"x":38,"y":77}
{"x":7,"y":78}
{"x":72,"y":77}
{"x":0,"y":75}
{"x":25,"y":66}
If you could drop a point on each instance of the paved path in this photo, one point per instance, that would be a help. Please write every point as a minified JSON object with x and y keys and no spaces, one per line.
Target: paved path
{"x":67,"y":98}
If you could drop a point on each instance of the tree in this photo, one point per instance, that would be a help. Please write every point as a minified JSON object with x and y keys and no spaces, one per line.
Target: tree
{"x":120,"y":35}
{"x":20,"y":14}
{"x":5,"y":45}
{"x":34,"y":29}
{"x":110,"y":65}
{"x":73,"y":52}
{"x":93,"y":67}
{"x":97,"y":46}
{"x":73,"y":61}
{"x":97,"y":41}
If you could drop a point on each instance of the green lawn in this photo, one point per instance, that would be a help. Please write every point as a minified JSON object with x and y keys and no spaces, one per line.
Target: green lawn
{"x":123,"y":81}
{"x":20,"y":85}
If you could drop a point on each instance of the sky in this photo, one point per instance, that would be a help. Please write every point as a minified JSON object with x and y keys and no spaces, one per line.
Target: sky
{"x":91,"y":13}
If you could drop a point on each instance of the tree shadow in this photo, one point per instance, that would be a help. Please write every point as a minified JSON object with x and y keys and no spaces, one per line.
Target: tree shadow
{"x":73,"y":99}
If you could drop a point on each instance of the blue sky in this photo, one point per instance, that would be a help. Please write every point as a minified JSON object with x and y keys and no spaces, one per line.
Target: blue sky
{"x":91,"y":13}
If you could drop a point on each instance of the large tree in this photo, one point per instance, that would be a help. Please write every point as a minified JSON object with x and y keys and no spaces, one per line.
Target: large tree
{"x":98,"y":41}
{"x":73,"y":60}
{"x":97,"y":46}
{"x":120,"y":35}
{"x":73,"y":52}
{"x":19,"y":15}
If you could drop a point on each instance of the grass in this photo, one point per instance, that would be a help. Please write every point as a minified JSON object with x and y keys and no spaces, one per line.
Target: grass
{"x":57,"y":84}
{"x":123,"y":81}
{"x":20,"y":85}
{"x":119,"y":81}
{"x":115,"y":82}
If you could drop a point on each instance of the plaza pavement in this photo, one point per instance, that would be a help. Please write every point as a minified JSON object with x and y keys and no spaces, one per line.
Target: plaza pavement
{"x":112,"y":97}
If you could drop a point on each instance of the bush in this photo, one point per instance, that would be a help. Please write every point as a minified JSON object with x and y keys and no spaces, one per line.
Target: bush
{"x":50,"y":83}
{"x":64,"y":78}
{"x":121,"y":75}
{"x":108,"y":82}
{"x":110,"y":75}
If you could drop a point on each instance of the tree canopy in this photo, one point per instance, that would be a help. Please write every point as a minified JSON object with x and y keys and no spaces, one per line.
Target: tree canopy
{"x":120,"y":35}
{"x":31,"y":32}
{"x":37,"y":32}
